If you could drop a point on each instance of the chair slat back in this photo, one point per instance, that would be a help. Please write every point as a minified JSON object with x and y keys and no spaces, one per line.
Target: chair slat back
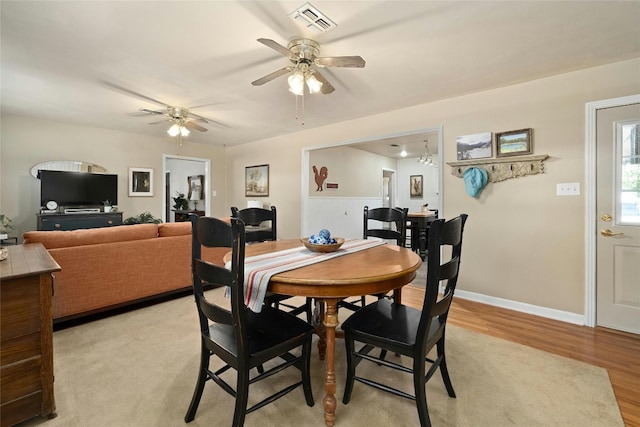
{"x":391,"y":216}
{"x":441,"y":234}
{"x":213,"y":232}
{"x":255,"y":217}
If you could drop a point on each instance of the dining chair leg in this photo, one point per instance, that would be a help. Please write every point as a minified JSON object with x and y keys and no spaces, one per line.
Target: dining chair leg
{"x":419,"y":385}
{"x":205,"y":357}
{"x":242,"y":397}
{"x":306,"y":372}
{"x":351,"y":370}
{"x":443,"y":368}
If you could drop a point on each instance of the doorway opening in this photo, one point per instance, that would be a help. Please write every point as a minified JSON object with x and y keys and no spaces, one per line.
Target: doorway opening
{"x":177,"y":171}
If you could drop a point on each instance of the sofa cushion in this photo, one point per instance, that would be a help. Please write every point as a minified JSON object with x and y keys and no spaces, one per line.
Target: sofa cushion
{"x":93,"y":236}
{"x":174,"y":229}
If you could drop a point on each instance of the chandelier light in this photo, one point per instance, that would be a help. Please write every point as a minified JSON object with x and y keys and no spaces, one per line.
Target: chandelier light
{"x":426,"y":158}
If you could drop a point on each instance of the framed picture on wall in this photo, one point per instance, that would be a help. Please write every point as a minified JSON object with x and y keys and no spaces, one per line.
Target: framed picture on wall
{"x":256,"y":181}
{"x":415,"y":185}
{"x":476,"y":146}
{"x":140,"y":182}
{"x":196,"y":187}
{"x":513,"y":143}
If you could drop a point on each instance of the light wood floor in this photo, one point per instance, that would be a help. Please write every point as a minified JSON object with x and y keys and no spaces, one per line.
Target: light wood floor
{"x":617,"y":352}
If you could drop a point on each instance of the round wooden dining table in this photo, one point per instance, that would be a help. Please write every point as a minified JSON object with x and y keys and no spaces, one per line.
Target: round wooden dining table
{"x":379,"y":269}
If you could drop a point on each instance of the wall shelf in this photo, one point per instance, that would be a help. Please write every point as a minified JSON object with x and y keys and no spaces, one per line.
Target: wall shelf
{"x":504,"y":168}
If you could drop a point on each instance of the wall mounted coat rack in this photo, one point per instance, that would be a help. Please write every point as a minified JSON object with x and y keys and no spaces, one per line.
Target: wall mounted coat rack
{"x":501,"y":169}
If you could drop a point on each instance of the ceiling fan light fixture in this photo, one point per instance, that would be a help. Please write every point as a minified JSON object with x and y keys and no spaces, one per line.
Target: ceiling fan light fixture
{"x":174,"y":130}
{"x":313,"y":84}
{"x":177,"y":129}
{"x":296,"y":83}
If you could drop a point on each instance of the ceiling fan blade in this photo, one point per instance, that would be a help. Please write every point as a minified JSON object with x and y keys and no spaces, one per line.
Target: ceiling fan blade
{"x":271,"y":76}
{"x":341,"y":61}
{"x":199,"y":117}
{"x":195,"y":126}
{"x":277,"y":47}
{"x":131,"y":92}
{"x":326,"y":87}
{"x":160,"y":121}
{"x":146,"y":110}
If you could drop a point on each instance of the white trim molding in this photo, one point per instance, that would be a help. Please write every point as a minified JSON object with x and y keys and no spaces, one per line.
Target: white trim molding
{"x":550,"y":313}
{"x":591,"y":109}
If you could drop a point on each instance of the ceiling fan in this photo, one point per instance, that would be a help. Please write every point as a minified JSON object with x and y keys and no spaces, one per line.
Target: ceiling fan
{"x":303,"y":53}
{"x":182,"y":120}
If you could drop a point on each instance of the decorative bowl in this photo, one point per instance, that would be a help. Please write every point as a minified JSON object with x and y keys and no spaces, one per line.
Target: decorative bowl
{"x":329,"y":247}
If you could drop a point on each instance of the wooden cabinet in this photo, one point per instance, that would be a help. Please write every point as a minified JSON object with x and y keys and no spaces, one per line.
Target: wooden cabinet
{"x":26,"y":334}
{"x":181,"y":216}
{"x":49,"y":222}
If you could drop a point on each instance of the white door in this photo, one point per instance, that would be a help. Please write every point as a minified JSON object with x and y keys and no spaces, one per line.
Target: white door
{"x":618,"y":218}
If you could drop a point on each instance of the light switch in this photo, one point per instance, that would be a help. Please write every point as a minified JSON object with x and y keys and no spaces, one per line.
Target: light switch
{"x":568,"y":189}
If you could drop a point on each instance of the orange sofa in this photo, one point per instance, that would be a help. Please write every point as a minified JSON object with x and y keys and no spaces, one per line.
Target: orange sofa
{"x":105,"y":268}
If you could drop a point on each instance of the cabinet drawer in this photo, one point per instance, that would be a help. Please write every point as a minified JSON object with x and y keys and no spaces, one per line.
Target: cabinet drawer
{"x":20,"y":379}
{"x":20,"y":307}
{"x":55,"y":222}
{"x":20,"y":348}
{"x":21,"y":409}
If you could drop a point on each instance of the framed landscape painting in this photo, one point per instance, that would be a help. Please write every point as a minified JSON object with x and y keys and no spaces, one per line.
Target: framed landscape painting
{"x":256,"y":181}
{"x":476,"y":146}
{"x":513,"y":143}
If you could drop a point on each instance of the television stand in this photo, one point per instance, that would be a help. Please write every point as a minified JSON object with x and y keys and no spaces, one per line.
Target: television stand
{"x":74,"y":221}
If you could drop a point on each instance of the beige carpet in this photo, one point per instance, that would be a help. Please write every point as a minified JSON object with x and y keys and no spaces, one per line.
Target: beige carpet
{"x":139,"y":368}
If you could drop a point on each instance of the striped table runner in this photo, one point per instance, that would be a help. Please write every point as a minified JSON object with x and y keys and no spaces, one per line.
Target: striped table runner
{"x":259,"y":269}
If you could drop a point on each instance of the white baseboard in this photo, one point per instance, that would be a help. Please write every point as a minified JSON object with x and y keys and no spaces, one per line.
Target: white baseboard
{"x":550,"y":313}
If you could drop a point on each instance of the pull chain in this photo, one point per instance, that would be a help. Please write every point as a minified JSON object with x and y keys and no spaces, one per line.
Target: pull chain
{"x":300,"y":108}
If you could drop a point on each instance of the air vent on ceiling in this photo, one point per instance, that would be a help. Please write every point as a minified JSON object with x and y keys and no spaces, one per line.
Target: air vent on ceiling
{"x":310,"y":17}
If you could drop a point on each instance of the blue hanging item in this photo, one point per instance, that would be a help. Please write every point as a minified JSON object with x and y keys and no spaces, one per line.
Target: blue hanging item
{"x":474,"y":180}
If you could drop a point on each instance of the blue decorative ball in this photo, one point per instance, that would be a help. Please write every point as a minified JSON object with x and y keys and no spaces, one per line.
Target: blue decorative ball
{"x":325,"y":233}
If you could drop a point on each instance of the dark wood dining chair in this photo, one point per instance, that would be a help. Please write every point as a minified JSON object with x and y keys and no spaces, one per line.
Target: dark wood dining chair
{"x":242,"y":339}
{"x":385,"y":223}
{"x":254,"y":219}
{"x":403,"y":330}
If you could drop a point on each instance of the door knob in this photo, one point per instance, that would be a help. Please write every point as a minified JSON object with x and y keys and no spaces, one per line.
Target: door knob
{"x":608,"y":233}
{"x":606,"y":218}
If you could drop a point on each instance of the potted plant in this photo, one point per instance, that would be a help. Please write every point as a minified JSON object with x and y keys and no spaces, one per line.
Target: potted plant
{"x":181,"y":203}
{"x":107,"y":205}
{"x":144,"y":218}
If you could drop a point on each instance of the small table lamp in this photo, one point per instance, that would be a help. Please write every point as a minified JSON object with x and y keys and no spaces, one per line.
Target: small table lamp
{"x":195,"y":198}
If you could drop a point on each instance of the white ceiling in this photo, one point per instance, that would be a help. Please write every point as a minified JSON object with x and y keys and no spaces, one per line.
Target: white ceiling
{"x":97,"y":63}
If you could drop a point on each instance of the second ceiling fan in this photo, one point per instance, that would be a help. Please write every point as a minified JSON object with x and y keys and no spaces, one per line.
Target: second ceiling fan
{"x":303,"y":53}
{"x":181,"y":118}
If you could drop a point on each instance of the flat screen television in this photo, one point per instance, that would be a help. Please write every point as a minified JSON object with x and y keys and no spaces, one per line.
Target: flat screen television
{"x":77,"y":188}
